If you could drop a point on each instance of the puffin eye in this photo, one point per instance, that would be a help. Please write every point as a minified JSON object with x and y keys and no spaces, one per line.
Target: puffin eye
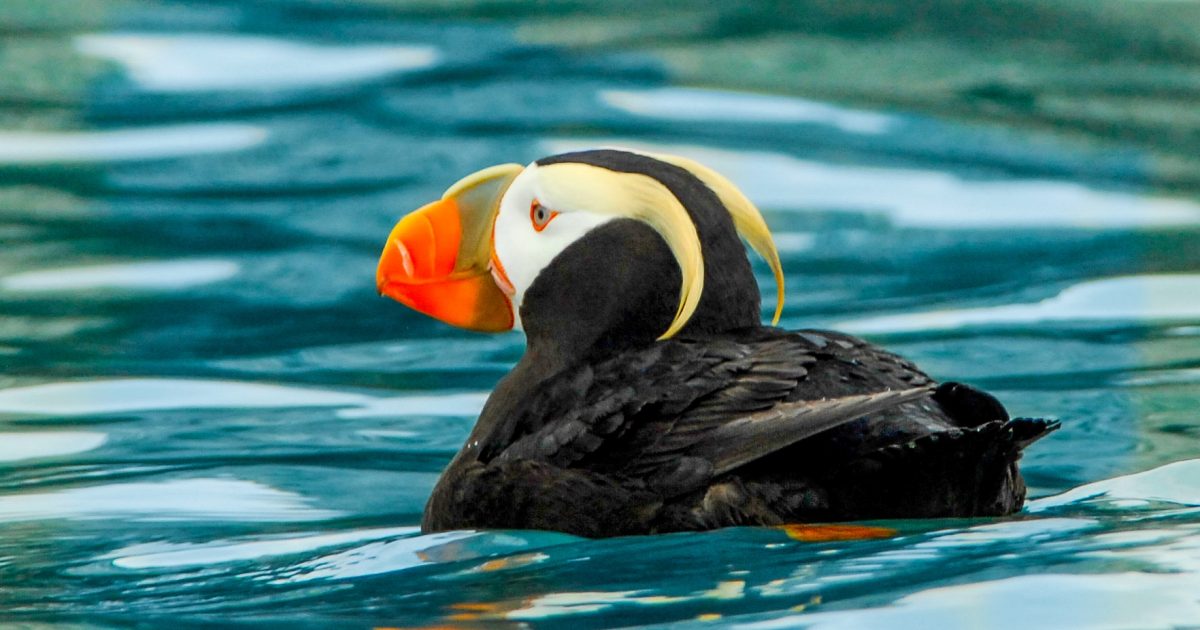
{"x":540,"y":216}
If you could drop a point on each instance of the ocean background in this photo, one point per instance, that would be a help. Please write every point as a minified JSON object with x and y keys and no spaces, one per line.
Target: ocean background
{"x":209,"y":418}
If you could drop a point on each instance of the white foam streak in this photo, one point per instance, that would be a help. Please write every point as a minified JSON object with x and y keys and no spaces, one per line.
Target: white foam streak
{"x":43,"y":328}
{"x":167,"y":555}
{"x":1140,"y":299}
{"x":191,"y":62}
{"x":170,"y":275}
{"x":1177,"y":550}
{"x":145,"y":143}
{"x":1112,"y":601}
{"x":443,"y":405}
{"x":795,"y":242}
{"x":123,"y":395}
{"x":695,"y":104}
{"x":176,"y":500}
{"x":1009,"y":531}
{"x":41,"y":444}
{"x":373,"y":558}
{"x":148,"y":394}
{"x":1178,"y":482}
{"x":553,"y":605}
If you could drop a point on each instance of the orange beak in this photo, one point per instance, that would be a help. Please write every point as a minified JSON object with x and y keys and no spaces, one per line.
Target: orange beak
{"x":436,"y":260}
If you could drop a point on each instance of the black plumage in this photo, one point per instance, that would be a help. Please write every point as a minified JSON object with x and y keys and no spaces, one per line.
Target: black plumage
{"x":601,"y":430}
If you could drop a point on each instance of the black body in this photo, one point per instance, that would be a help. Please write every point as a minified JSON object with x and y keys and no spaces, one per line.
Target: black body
{"x":600,"y":430}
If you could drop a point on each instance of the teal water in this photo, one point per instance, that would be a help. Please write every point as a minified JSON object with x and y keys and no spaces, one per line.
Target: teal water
{"x":207,"y":416}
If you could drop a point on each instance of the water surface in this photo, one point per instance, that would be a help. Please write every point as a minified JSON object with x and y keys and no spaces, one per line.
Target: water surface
{"x":208,"y":416}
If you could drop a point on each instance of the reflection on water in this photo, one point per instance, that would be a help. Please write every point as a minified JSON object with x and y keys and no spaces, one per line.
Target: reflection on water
{"x":690,"y":104}
{"x":188,"y":500}
{"x":125,"y":144}
{"x":162,"y":276}
{"x":1138,"y":300}
{"x":1121,"y":600}
{"x":41,"y":444}
{"x":207,"y":413}
{"x":211,"y":62}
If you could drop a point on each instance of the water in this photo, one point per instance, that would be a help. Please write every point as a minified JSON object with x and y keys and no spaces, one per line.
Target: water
{"x":207,"y":416}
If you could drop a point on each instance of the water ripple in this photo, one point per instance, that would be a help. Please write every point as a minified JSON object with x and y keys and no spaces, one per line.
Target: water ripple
{"x":175,"y":500}
{"x":135,"y":144}
{"x":125,"y":395}
{"x":169,"y":275}
{"x":693,"y":104}
{"x":1113,"y":601}
{"x":42,"y":444}
{"x":171,"y":555}
{"x":1178,"y":483}
{"x":1129,"y":299}
{"x":189,"y":62}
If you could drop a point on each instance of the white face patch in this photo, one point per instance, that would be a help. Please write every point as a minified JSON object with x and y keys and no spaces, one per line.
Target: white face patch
{"x":524,"y":251}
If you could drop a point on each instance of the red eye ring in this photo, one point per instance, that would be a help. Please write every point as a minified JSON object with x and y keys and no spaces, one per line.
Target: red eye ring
{"x":540,"y":216}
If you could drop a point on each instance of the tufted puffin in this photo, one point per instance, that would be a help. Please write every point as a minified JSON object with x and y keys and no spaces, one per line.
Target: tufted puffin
{"x":650,"y":397}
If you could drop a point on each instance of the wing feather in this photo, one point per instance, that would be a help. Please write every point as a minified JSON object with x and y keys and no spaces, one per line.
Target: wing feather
{"x":759,"y":434}
{"x":683,"y":412}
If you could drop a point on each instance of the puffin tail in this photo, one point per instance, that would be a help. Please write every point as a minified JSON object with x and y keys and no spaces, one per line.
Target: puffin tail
{"x":1026,"y":431}
{"x":956,"y":473}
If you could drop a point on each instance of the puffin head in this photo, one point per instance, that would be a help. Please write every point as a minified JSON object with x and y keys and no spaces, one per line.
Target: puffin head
{"x":591,"y":250}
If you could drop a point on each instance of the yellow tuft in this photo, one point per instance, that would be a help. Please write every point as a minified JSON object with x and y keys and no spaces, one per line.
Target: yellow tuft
{"x":640,"y":197}
{"x":747,"y":219}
